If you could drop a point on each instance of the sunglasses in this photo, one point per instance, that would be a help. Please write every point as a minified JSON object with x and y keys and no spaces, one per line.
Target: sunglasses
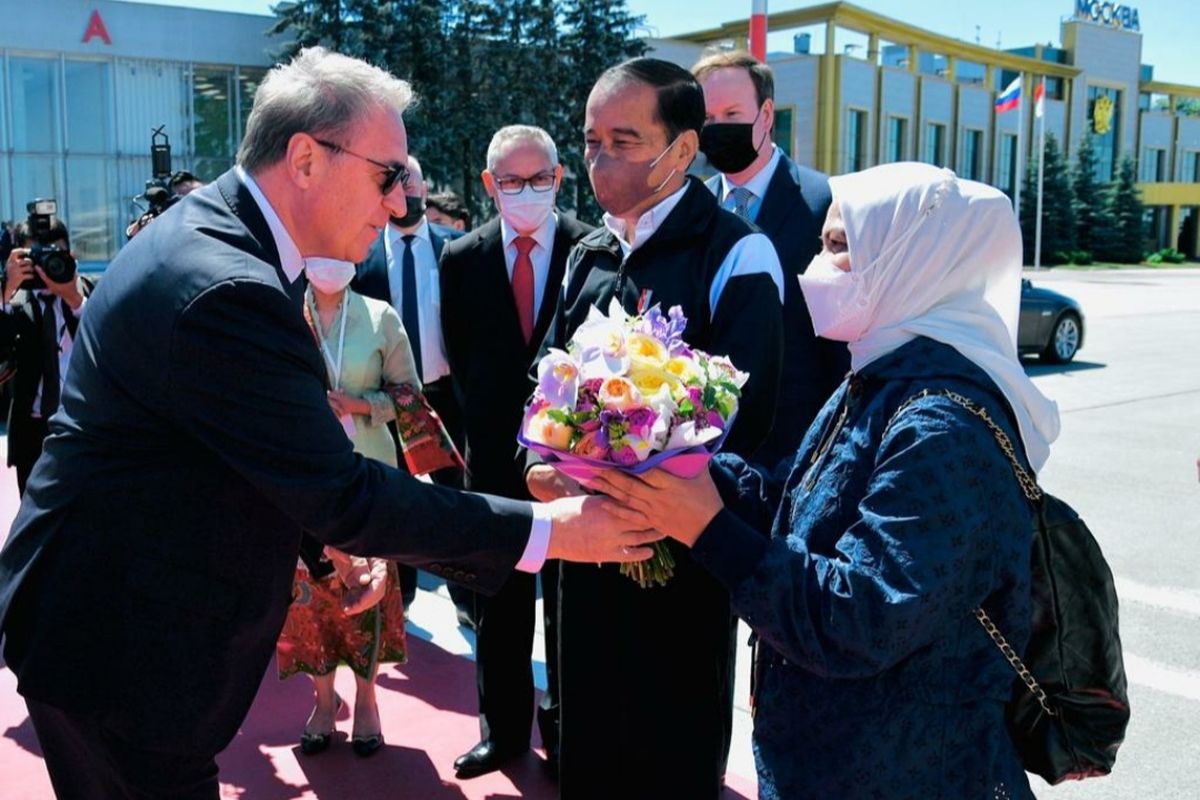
{"x":392,"y":173}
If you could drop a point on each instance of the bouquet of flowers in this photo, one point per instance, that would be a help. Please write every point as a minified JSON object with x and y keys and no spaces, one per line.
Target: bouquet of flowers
{"x":630,"y":394}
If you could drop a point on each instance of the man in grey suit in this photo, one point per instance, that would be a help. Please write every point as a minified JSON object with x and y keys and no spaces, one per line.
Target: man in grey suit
{"x":149,"y":570}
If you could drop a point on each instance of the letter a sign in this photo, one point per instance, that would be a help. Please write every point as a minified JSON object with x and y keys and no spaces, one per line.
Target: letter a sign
{"x":96,"y":28}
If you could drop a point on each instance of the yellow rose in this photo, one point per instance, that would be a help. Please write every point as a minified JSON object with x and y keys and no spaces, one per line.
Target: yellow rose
{"x":541,"y":428}
{"x":647,"y":381}
{"x":682,"y":368}
{"x":645,"y":349}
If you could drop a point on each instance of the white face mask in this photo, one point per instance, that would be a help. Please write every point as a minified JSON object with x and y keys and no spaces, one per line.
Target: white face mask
{"x":836,"y":300}
{"x":527,"y":210}
{"x":329,"y":275}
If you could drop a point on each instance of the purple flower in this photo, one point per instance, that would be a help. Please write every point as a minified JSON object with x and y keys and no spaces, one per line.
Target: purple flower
{"x":641,"y":420}
{"x":666,"y":329}
{"x":625,"y":456}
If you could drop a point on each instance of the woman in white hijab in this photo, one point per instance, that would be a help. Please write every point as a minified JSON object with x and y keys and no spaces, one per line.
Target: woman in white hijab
{"x":898,"y":515}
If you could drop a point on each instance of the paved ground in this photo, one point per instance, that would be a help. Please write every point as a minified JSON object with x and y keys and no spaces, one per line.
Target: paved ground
{"x":1126,"y":461}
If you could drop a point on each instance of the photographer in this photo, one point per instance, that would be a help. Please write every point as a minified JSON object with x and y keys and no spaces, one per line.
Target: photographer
{"x":37,"y":325}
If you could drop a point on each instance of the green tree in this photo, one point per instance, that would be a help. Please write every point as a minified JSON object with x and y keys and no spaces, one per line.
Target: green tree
{"x":1058,"y":216}
{"x":1091,"y":212}
{"x":597,"y":34}
{"x":1124,"y":239}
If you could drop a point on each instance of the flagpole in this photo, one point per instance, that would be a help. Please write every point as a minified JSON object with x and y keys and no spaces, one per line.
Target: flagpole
{"x":1019,"y":178}
{"x":1037,"y":246}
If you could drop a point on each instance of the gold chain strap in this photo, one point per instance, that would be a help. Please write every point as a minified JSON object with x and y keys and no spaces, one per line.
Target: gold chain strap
{"x":1033,"y":493}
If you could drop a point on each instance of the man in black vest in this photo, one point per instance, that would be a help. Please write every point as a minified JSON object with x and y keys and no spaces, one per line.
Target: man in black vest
{"x":644,"y":671}
{"x":149,"y":570}
{"x":788,"y":203}
{"x":500,"y":284}
{"x":39,"y":326}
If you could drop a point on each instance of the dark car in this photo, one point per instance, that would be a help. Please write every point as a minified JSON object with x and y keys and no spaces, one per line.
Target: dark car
{"x":1051,"y":324}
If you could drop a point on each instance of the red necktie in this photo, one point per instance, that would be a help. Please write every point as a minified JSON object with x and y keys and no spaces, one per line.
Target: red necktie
{"x":522,"y":285}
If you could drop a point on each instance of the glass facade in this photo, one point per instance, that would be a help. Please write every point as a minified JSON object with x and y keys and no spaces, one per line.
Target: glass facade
{"x":78,"y":130}
{"x":1006,"y":170}
{"x":856,"y":141}
{"x":1189,"y":171}
{"x":897,"y":140}
{"x":1154,"y":165}
{"x":935,"y":144}
{"x":971,"y":167}
{"x":784,"y":133}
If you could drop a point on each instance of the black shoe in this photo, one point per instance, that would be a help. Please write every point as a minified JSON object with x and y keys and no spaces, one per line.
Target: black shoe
{"x":313,"y":743}
{"x":550,"y":765}
{"x":464,"y":618}
{"x":483,"y":758}
{"x":366,"y":746}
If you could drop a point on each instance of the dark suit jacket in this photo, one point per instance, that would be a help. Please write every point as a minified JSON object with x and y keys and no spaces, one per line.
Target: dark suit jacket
{"x":791,"y":215}
{"x":150,"y":567}
{"x":372,"y":275}
{"x":489,"y":359}
{"x":21,"y":328}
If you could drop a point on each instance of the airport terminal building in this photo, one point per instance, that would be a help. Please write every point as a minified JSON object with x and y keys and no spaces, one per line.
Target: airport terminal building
{"x":84,"y":82}
{"x":897,"y":92}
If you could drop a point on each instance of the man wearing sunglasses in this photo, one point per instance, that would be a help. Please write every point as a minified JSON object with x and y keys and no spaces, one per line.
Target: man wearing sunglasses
{"x":149,"y":570}
{"x":500,"y":284}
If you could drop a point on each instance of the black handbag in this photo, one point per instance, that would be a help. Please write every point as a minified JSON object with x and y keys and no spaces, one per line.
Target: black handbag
{"x":1069,"y":707}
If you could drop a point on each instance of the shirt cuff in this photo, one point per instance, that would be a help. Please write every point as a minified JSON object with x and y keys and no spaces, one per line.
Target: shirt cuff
{"x":730,"y":549}
{"x":78,"y":312}
{"x":539,"y":541}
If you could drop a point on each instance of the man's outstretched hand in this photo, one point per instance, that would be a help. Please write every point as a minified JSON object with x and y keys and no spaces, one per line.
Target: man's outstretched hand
{"x":596,"y":529}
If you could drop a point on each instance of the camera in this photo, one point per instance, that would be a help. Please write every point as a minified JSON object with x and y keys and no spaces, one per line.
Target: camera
{"x":56,"y":261}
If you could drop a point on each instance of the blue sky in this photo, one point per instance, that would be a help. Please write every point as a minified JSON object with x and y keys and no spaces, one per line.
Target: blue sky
{"x":1167,"y":28}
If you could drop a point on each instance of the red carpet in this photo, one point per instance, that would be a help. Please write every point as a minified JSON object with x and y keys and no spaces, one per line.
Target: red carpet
{"x":428,"y":708}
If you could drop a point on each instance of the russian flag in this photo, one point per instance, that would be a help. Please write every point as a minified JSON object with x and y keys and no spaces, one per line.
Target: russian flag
{"x":1010,"y":98}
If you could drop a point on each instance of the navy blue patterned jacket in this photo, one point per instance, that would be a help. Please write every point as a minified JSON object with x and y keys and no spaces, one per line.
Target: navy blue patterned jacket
{"x":873,"y":678}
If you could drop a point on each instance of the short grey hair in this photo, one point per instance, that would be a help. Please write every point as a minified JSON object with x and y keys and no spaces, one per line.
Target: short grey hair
{"x":320,"y":93}
{"x":510,"y":135}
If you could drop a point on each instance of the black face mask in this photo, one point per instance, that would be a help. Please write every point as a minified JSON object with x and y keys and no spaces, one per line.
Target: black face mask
{"x":729,"y":146}
{"x":412,"y":214}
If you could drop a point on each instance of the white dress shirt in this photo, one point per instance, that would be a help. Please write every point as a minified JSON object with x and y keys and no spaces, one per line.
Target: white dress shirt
{"x":750,"y":254}
{"x":539,"y":256}
{"x":292,"y":262}
{"x":757,"y":185}
{"x":429,"y":295}
{"x":65,"y":345}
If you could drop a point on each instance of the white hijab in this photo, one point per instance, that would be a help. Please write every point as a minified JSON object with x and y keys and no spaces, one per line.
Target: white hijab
{"x":939,"y":256}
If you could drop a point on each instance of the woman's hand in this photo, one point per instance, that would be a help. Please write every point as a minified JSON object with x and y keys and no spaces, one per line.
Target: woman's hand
{"x":343,"y":403}
{"x":365,"y":579}
{"x":546,"y":483}
{"x":679,"y":507}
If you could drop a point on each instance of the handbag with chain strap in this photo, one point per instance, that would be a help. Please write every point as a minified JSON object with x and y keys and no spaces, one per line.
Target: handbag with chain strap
{"x":1069,"y":708}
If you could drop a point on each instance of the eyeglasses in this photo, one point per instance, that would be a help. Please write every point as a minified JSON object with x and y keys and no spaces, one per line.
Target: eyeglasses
{"x":511,"y":184}
{"x":393,"y":173}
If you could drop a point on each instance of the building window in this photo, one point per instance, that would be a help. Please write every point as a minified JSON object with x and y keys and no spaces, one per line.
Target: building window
{"x":1154,"y":165}
{"x":89,"y":207}
{"x":971,"y":167}
{"x":33,"y":83}
{"x":856,"y":141}
{"x":248,"y":81}
{"x":214,"y":121}
{"x":935,"y":144}
{"x":1007,"y":172}
{"x":1190,"y":172}
{"x":89,"y":107}
{"x":897,"y":141}
{"x":785,"y":128}
{"x":1104,"y":120}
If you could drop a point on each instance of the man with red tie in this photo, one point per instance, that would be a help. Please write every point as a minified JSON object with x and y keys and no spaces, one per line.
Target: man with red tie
{"x":500,"y":284}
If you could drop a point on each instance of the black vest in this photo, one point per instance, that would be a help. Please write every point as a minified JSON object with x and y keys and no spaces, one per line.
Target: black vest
{"x":675,"y":266}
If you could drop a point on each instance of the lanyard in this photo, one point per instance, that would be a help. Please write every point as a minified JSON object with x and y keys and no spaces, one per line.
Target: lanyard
{"x":334,"y":365}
